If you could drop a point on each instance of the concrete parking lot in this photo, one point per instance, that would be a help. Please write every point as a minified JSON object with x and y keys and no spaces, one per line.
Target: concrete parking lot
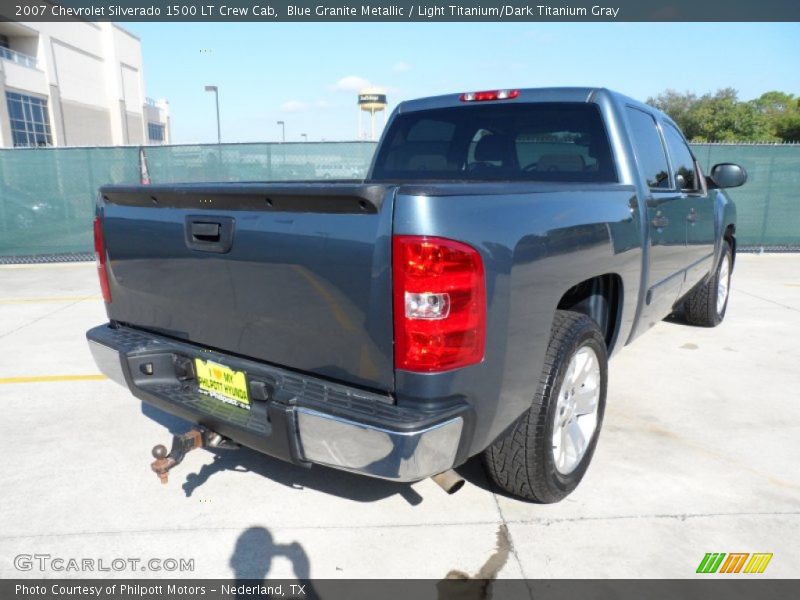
{"x":699,"y":453}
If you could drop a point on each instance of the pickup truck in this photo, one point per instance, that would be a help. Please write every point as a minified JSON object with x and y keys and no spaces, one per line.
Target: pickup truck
{"x":462,"y":300}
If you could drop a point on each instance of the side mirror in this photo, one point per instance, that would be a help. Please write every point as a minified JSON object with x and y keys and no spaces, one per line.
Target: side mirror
{"x":728,"y":175}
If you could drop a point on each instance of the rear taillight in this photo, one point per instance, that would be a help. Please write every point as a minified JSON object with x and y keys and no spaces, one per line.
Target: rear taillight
{"x":439,"y":304}
{"x":100,"y":254}
{"x":489,"y":95}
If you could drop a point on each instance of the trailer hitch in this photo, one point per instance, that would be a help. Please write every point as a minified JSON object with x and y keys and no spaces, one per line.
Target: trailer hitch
{"x":183,"y":444}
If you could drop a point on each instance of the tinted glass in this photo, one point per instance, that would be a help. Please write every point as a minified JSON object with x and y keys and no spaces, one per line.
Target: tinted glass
{"x":155,"y":132}
{"x":498,"y":142}
{"x":649,"y":150}
{"x":682,"y":159}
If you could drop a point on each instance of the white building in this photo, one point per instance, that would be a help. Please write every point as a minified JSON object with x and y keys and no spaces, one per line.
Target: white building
{"x":75,"y":84}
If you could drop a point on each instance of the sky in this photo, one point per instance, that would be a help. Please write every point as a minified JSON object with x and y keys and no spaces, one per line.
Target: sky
{"x":308,"y":75}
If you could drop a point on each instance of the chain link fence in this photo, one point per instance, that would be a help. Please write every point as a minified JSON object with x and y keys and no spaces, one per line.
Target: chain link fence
{"x":47,"y":195}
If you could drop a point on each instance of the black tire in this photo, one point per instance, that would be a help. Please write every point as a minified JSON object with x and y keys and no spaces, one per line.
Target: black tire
{"x":700,"y":306}
{"x":521,"y":462}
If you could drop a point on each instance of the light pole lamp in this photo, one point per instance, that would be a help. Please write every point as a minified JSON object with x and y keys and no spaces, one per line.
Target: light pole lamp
{"x":283,"y":130}
{"x":213,"y":88}
{"x":304,"y":136}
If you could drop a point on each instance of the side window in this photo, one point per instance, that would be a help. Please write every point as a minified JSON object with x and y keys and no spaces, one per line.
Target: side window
{"x":682,"y":159}
{"x":649,"y":149}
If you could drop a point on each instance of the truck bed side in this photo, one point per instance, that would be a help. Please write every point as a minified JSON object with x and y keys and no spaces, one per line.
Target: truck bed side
{"x":537,"y":242}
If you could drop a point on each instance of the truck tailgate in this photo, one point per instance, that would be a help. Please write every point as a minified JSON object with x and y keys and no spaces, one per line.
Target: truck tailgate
{"x":297,"y":275}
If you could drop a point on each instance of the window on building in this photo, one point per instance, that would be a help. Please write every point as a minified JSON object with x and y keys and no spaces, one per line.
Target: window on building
{"x":4,"y":41}
{"x":155,"y":131}
{"x":30,"y":123}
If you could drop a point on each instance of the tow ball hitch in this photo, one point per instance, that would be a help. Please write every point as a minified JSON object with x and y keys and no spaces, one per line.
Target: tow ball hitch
{"x":182,"y":444}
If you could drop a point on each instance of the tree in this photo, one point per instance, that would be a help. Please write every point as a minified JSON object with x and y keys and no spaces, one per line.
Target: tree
{"x":782,"y":110}
{"x":788,"y":128}
{"x":722,"y":117}
{"x":678,"y":106}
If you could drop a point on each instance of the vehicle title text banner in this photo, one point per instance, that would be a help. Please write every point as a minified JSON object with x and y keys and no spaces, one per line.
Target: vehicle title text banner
{"x":403,"y":10}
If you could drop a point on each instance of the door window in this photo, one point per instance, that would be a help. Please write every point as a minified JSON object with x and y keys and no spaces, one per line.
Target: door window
{"x":683,"y":164}
{"x":649,"y":149}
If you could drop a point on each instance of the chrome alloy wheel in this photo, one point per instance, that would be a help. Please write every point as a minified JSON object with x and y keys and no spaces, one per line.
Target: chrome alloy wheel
{"x":723,"y":282}
{"x":576,"y":412}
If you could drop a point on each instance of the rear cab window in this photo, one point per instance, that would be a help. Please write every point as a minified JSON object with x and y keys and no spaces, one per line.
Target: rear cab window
{"x":498,"y":142}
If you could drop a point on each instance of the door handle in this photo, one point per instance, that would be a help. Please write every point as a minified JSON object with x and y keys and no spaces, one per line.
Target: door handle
{"x":660,"y":221}
{"x":692,"y":216}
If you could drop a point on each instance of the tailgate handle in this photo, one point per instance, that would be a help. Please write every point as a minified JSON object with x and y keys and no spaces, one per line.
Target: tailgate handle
{"x":209,"y":233}
{"x":205,"y":232}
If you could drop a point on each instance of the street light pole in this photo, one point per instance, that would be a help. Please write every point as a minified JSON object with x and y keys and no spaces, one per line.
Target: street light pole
{"x":304,"y":136}
{"x":213,"y":88}
{"x":283,"y":131}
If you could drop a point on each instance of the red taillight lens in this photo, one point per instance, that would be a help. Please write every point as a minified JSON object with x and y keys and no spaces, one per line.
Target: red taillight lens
{"x":439,"y":304}
{"x":100,"y":254}
{"x":489,"y":95}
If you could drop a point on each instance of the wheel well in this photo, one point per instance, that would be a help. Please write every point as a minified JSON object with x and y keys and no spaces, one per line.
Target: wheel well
{"x":730,"y":230}
{"x":601,"y":299}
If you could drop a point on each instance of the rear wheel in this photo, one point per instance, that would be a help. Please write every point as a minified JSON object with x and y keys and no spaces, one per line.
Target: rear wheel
{"x":545,"y":454}
{"x":707,"y":302}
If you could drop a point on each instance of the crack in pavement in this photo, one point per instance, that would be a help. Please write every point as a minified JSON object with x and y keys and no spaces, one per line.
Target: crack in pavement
{"x":512,"y":549}
{"x":50,"y":314}
{"x":678,"y":517}
{"x":738,"y":291}
{"x":238,"y":528}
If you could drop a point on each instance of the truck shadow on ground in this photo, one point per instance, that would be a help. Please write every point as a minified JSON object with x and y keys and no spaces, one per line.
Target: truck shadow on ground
{"x":244,"y":460}
{"x":473,"y":472}
{"x":678,"y":318}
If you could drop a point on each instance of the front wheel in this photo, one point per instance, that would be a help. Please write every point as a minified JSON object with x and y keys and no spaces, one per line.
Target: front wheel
{"x":706,"y":304}
{"x":545,"y":454}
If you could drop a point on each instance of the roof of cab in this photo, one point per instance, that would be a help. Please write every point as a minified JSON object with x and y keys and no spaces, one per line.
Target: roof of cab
{"x":551,"y":94}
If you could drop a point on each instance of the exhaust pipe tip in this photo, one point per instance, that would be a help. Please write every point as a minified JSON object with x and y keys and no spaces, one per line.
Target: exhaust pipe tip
{"x":449,"y":481}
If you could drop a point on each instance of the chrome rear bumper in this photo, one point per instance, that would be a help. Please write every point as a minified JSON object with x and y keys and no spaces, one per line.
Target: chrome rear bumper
{"x":296,"y":429}
{"x":366,"y":449}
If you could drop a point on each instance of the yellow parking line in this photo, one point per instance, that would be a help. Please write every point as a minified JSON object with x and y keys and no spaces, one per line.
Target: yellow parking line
{"x":51,"y":378}
{"x":48,"y":299}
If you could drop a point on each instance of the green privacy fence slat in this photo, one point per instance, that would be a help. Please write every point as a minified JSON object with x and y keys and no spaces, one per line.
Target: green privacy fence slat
{"x":768,"y":205}
{"x":259,"y":162}
{"x":47,"y":195}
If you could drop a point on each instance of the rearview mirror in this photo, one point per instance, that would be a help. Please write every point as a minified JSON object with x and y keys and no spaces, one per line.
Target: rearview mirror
{"x":728,"y":175}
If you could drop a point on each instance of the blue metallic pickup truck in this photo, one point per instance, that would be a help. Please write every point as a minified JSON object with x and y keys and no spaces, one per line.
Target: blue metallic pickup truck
{"x":462,"y":300}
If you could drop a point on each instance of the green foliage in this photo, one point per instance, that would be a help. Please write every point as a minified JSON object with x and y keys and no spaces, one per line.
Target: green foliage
{"x":722,"y":117}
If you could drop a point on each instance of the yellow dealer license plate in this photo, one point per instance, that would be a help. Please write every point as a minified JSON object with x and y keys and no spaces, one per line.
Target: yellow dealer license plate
{"x":222,"y":383}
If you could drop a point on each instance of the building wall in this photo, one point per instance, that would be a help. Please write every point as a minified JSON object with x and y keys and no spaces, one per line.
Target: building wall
{"x":90,"y":75}
{"x":85,"y":124}
{"x":136,"y":133}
